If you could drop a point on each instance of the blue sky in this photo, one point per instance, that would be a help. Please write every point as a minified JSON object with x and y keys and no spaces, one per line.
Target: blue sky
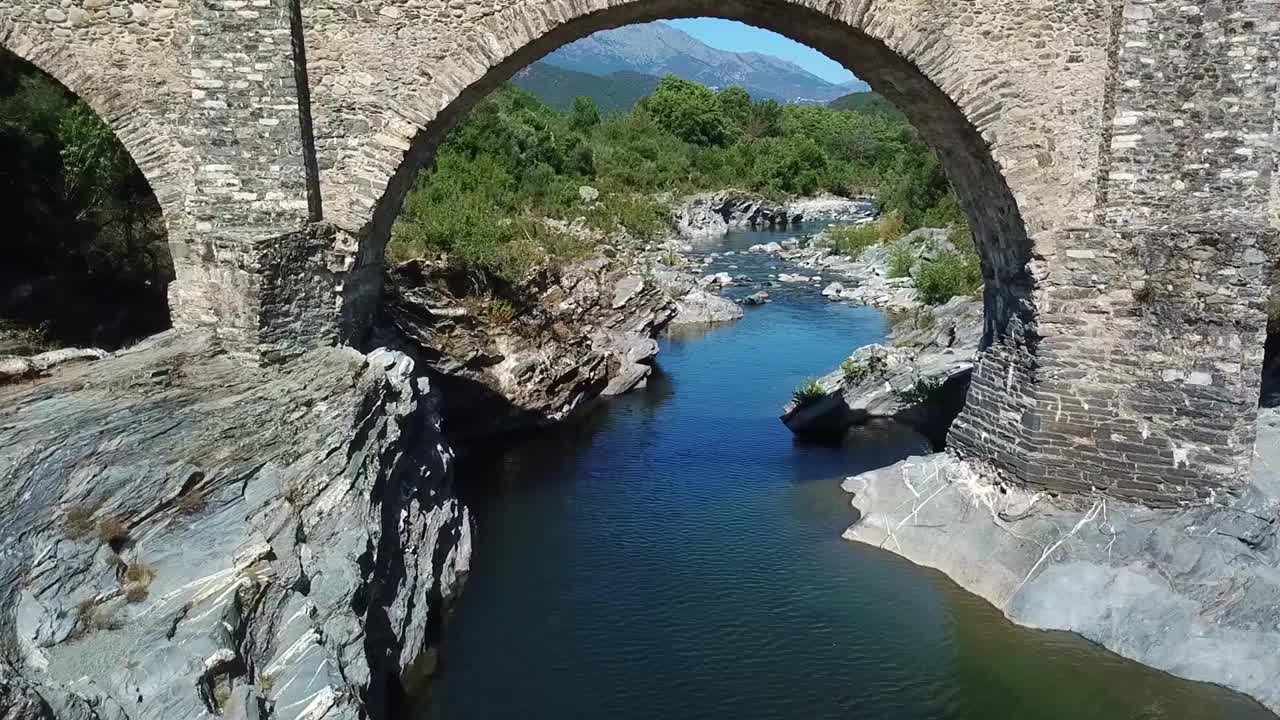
{"x":735,"y":36}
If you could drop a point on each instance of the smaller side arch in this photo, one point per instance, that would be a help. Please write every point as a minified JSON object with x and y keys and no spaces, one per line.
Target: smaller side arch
{"x":150,"y":141}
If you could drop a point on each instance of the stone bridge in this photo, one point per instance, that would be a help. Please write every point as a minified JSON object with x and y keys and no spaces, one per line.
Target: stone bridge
{"x":1115,"y":157}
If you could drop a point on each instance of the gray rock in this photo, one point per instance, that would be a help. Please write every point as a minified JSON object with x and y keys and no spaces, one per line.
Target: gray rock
{"x":759,"y":298}
{"x":714,"y":214}
{"x":921,"y":380}
{"x":202,"y":533}
{"x":833,"y":291}
{"x":701,"y":307}
{"x":503,"y":368}
{"x":626,"y":289}
{"x":832,"y":208}
{"x":13,"y":368}
{"x":588,"y":194}
{"x":1193,"y":591}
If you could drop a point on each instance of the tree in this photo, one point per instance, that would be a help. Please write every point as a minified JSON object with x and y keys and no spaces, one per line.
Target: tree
{"x":690,"y":112}
{"x":585,"y":114}
{"x":735,"y":103}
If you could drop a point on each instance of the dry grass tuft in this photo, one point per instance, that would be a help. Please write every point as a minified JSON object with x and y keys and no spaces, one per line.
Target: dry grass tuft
{"x":113,"y":531}
{"x":191,"y":502}
{"x":137,"y":581}
{"x":91,"y":616}
{"x":77,"y":522}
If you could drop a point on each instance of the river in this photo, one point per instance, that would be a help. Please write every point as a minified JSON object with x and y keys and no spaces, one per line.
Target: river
{"x":677,"y":554}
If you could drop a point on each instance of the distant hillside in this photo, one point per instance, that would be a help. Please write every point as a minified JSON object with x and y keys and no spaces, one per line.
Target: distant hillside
{"x":657,"y":49}
{"x":868,"y":102}
{"x":557,"y":87}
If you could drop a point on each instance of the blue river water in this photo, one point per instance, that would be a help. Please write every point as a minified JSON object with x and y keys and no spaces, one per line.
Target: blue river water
{"x":677,"y":554}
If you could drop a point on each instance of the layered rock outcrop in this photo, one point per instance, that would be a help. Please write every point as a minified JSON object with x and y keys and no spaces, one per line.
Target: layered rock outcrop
{"x":1194,"y":591}
{"x":714,"y":214}
{"x":919,"y":379}
{"x":565,"y":339}
{"x":189,"y":536}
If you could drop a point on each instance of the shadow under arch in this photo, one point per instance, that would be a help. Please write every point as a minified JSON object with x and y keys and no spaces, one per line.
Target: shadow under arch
{"x":60,"y":285}
{"x":979,"y":182}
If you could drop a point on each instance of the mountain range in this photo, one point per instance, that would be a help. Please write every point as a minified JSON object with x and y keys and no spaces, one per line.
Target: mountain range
{"x":632,"y":58}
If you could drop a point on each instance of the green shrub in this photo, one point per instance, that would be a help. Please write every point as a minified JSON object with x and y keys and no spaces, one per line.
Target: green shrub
{"x":890,"y":227}
{"x":857,"y":372}
{"x":808,"y":393}
{"x":901,"y":260}
{"x":852,"y":240}
{"x":950,"y":275}
{"x":953,"y":274}
{"x":920,"y":391}
{"x":641,"y":217}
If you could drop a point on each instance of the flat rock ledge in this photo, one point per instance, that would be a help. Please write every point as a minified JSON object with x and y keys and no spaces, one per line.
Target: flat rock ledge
{"x":1194,"y":591}
{"x":186,"y":536}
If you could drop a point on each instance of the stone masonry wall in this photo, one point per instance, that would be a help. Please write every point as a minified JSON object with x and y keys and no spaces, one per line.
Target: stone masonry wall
{"x":1142,"y":376}
{"x":1144,"y":381}
{"x":250,"y":199}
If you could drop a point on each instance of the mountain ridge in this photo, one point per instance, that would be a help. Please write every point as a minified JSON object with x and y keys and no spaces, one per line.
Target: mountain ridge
{"x":658,"y":49}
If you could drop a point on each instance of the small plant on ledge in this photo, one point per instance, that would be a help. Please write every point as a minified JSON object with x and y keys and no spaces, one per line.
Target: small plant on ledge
{"x":920,"y":391}
{"x":856,"y":372}
{"x":808,"y":393}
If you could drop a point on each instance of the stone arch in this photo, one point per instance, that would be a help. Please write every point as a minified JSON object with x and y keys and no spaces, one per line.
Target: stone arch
{"x":156,"y":153}
{"x":894,"y":53}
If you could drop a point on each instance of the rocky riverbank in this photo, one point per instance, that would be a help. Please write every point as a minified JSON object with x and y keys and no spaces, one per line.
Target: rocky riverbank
{"x":186,"y":535}
{"x":542,"y":351}
{"x":921,"y":376}
{"x":1193,"y":591}
{"x":714,"y":214}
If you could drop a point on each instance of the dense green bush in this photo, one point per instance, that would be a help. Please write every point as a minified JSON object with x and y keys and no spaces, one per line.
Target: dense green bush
{"x":514,"y":160}
{"x":952,"y":274}
{"x":901,"y":259}
{"x":853,"y":240}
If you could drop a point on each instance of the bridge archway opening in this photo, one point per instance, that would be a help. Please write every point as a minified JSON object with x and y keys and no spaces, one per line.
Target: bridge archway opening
{"x":1000,"y":233}
{"x":87,"y":260}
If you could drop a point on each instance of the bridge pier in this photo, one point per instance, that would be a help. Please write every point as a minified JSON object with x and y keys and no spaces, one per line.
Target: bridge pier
{"x":1141,"y":376}
{"x":260,"y":266}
